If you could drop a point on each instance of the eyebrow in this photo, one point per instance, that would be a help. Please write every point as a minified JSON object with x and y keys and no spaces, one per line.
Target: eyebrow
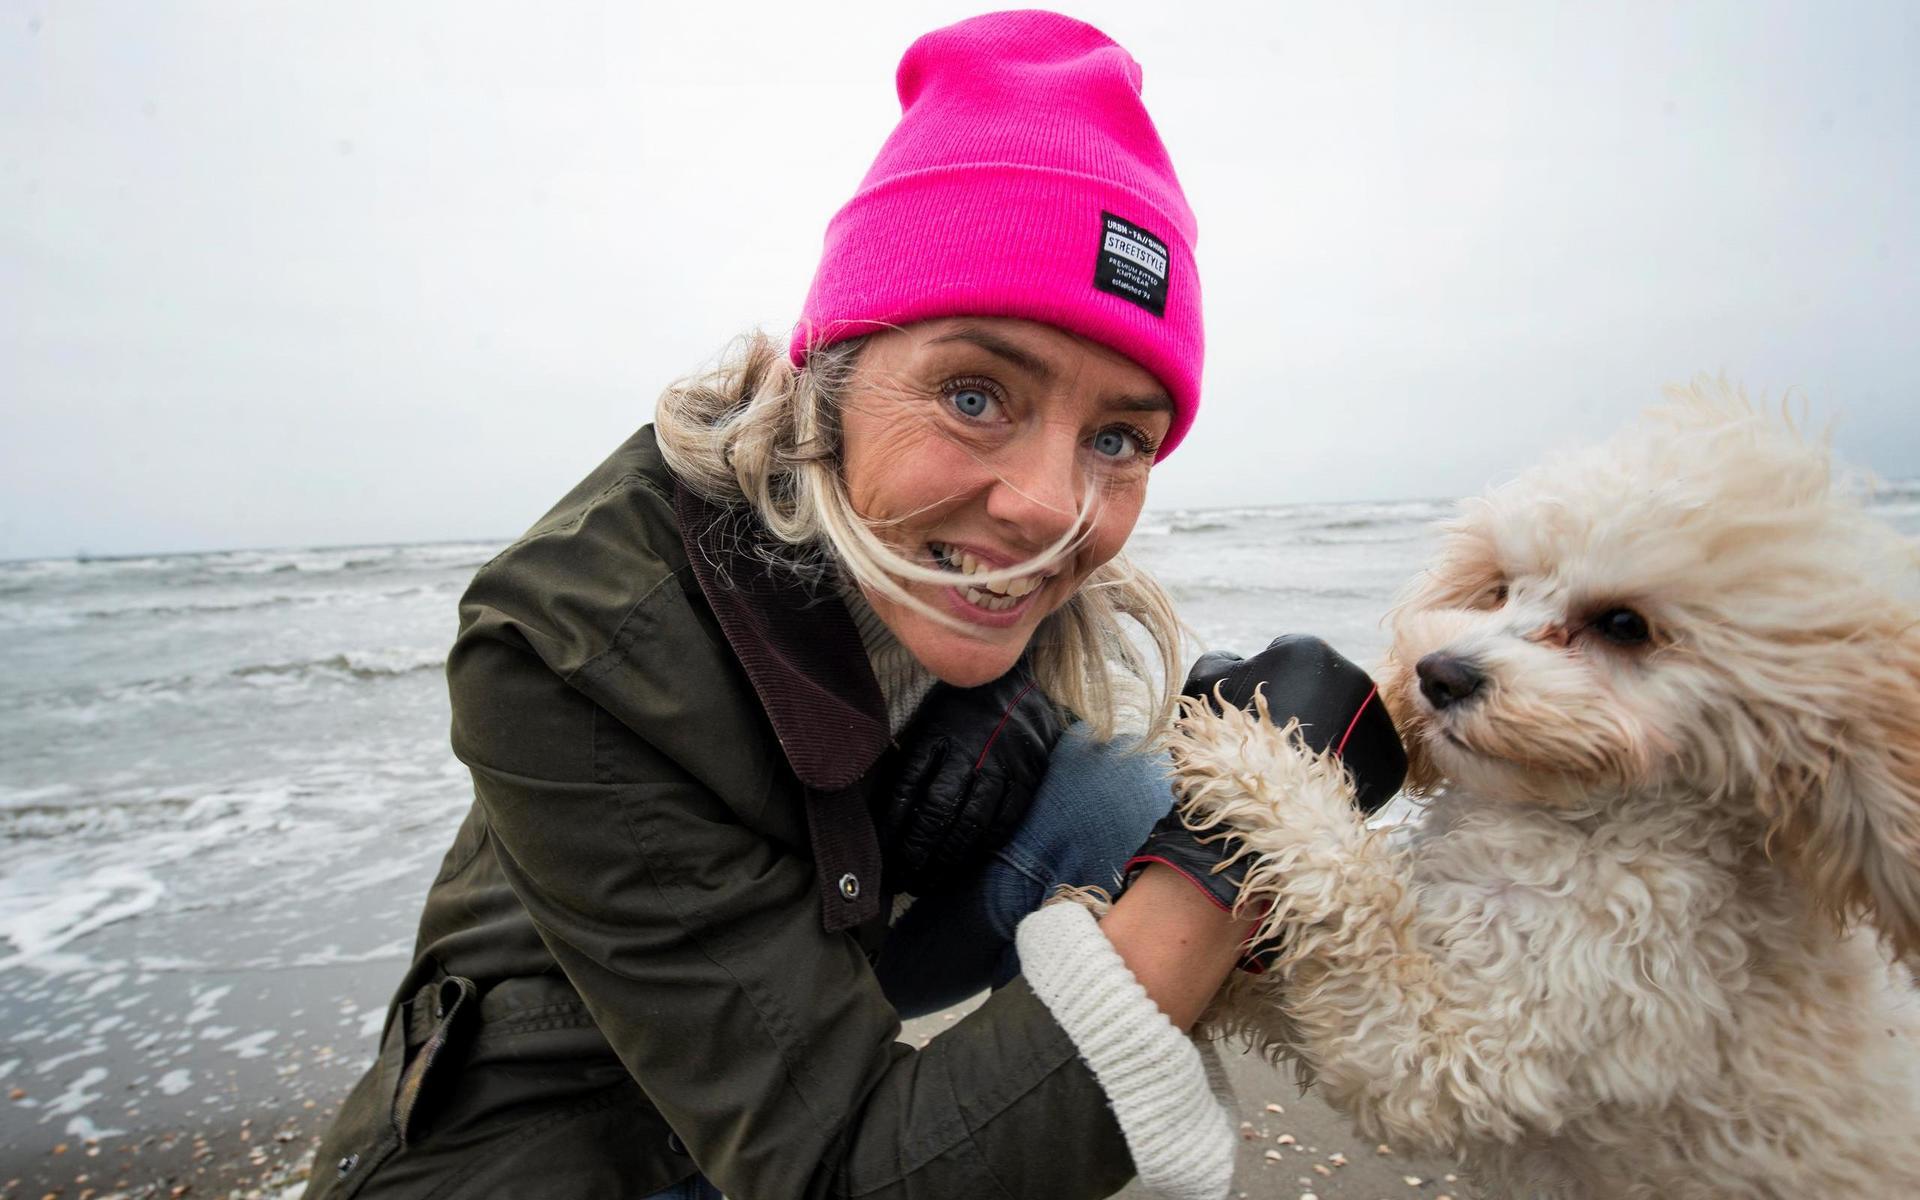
{"x":996,"y":345}
{"x":1141,"y":404}
{"x":1043,"y":370}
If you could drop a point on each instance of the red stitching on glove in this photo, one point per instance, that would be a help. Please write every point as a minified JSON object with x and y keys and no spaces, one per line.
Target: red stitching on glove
{"x":1143,"y":859}
{"x":1342,"y":747}
{"x":1002,"y":724}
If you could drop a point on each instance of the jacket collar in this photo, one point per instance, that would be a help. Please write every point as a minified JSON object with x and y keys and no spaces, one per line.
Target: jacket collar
{"x":799,"y":646}
{"x":804,"y":657}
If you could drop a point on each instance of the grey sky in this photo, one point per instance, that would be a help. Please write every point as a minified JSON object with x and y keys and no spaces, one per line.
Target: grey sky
{"x":293,"y":274}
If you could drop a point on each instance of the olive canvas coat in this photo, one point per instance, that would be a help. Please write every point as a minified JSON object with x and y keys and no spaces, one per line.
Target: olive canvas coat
{"x":648,"y":951}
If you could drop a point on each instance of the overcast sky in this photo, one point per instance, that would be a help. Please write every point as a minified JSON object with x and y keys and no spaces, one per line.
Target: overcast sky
{"x":316,"y":273}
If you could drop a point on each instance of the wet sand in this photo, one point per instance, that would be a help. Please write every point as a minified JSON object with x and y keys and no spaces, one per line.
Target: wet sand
{"x":138,"y":1061}
{"x":136,"y":1084}
{"x":179,"y":1084}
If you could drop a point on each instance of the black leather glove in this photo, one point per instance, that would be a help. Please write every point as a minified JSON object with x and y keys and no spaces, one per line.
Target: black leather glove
{"x":968,"y":766}
{"x":1338,"y":708}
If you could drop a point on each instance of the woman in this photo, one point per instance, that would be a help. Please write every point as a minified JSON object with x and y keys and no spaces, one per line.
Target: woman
{"x":756,"y":675}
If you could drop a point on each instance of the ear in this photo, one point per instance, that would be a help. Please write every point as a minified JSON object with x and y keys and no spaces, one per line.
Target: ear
{"x":1858,"y":840}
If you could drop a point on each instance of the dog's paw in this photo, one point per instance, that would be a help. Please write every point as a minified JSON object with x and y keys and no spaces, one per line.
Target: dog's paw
{"x":1237,"y":768}
{"x":1309,"y":854}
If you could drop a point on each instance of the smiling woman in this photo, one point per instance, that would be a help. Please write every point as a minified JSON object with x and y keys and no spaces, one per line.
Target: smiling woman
{"x":1008,"y":451}
{"x":1014,"y":452}
{"x":787,"y":720}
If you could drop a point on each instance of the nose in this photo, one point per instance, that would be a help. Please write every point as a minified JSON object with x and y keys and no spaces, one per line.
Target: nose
{"x":1037,"y":493}
{"x":1446,"y":681}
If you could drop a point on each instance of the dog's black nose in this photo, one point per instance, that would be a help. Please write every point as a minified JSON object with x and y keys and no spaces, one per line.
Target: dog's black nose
{"x":1446,"y":680}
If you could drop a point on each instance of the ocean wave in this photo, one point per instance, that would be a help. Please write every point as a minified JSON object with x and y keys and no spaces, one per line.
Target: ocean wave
{"x":1228,"y":515}
{"x":119,"y":817}
{"x":26,"y":574}
{"x":337,"y":559}
{"x":1403,"y":510}
{"x":1203,"y":589}
{"x":359,"y":597}
{"x":1874,"y":490}
{"x":45,"y":568}
{"x":36,"y":616}
{"x":1309,"y":523}
{"x":192,"y":610}
{"x":304,"y":563}
{"x":38,"y":923}
{"x":1366,"y":535}
{"x":41,"y":794}
{"x":94,"y":703}
{"x":1368,"y":522}
{"x":355,"y":666}
{"x":249,"y":849}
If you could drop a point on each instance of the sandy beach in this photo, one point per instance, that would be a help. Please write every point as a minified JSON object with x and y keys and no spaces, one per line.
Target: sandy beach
{"x":230,"y":1080}
{"x":155,"y":1083}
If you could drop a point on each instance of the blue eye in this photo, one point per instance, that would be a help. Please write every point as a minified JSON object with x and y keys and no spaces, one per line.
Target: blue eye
{"x":1116,"y":444}
{"x":971,"y":402}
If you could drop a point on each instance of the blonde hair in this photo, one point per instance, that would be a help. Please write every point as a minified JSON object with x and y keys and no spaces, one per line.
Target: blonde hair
{"x":756,"y":432}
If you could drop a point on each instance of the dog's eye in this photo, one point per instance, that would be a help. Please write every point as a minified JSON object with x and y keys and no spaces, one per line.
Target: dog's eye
{"x":1492,"y":596}
{"x":1622,"y":625}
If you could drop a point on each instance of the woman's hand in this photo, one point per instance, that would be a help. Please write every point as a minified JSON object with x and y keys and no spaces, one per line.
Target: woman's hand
{"x":1336,"y":703}
{"x":1338,"y":708}
{"x":970,"y":762}
{"x":1175,"y":924}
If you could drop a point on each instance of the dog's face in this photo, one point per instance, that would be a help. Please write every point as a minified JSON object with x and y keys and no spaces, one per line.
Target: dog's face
{"x":1689,"y":610}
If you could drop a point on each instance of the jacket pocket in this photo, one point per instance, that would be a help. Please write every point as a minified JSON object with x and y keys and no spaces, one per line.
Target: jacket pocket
{"x":395,"y":1100}
{"x":437,"y":1019}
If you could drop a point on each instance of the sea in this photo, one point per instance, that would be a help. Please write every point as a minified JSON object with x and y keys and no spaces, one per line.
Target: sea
{"x":225,"y":783}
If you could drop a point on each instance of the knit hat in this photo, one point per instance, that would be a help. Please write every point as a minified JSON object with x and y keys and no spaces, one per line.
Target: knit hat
{"x":1025,"y":179}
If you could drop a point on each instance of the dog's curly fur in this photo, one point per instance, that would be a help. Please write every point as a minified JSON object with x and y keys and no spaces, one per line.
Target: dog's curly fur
{"x":1646,"y":940}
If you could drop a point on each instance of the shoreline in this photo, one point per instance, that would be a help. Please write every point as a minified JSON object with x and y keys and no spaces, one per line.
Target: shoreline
{"x":130,"y":1084}
{"x":224,"y":1087}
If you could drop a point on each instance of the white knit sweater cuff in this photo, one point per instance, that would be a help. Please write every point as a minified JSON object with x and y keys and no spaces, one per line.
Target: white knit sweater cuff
{"x":1154,"y":1076}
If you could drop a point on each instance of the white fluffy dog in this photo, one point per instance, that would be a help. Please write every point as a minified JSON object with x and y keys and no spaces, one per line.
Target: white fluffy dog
{"x":1664,"y":700}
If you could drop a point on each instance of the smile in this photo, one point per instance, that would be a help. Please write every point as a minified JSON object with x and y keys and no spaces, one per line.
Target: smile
{"x":989,"y":597}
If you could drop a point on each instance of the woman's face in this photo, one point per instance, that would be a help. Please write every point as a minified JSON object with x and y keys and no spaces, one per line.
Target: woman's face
{"x":975,"y":442}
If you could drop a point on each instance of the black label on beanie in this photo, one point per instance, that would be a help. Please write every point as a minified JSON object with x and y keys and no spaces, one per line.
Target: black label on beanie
{"x":1132,"y":264}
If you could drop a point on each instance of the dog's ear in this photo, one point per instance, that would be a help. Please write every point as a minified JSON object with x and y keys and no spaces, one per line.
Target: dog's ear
{"x":1855,"y":825}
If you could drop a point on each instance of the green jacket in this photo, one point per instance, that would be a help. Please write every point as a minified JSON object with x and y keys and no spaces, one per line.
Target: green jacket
{"x":642,"y":955}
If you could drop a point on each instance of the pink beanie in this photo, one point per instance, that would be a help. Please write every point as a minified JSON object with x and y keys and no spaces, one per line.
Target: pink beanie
{"x":1025,"y":179}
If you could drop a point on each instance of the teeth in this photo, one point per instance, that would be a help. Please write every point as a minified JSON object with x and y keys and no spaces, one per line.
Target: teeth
{"x":994,"y":597}
{"x":990,"y":596}
{"x":990,"y":601}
